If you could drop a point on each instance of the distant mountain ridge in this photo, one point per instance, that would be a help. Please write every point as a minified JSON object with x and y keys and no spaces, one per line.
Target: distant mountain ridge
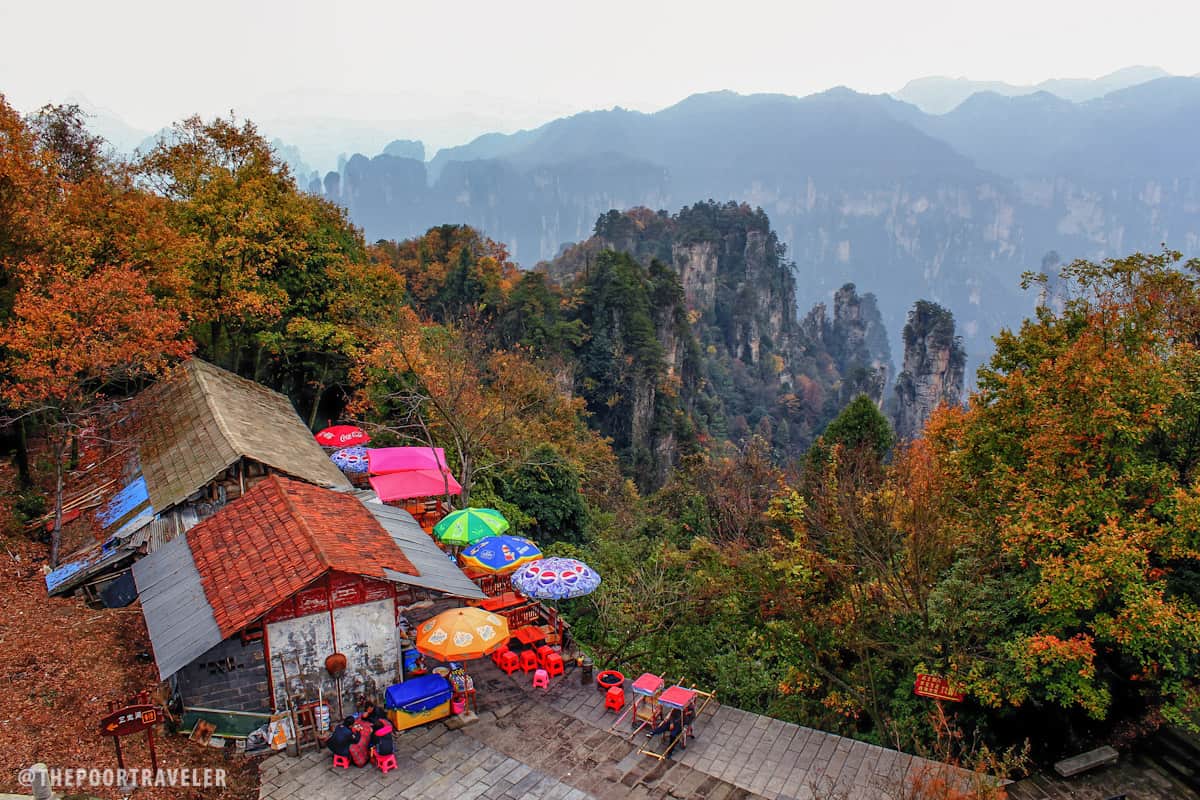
{"x":863,"y":189}
{"x":938,"y":94}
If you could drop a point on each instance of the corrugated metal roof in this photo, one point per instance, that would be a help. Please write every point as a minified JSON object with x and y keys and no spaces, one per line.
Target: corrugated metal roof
{"x":437,"y":570}
{"x":158,"y":532}
{"x":202,"y":420}
{"x":180,"y":621}
{"x":140,"y":535}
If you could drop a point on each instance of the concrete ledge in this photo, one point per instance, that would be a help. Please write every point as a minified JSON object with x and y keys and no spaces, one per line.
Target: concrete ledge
{"x":1100,"y":757}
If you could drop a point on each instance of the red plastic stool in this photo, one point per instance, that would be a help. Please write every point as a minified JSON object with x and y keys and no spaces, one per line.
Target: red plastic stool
{"x":341,"y":761}
{"x":615,"y":699}
{"x":499,"y":654}
{"x":542,"y":652}
{"x":541,"y":679}
{"x":386,"y":763}
{"x":553,"y":664}
{"x":529,"y":661}
{"x":509,"y":663}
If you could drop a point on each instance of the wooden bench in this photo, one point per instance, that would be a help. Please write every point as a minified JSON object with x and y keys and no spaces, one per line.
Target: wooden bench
{"x":1100,"y":757}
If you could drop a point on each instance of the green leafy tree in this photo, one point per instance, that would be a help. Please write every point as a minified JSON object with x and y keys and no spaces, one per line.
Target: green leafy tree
{"x":1075,"y":469}
{"x":547,"y":490}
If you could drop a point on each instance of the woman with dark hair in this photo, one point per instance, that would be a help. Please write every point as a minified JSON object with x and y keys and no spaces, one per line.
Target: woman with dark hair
{"x":381,"y":738}
{"x":342,"y":737}
{"x":372,"y":713}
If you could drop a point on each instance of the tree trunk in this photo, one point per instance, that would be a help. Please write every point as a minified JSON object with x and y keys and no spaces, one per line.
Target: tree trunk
{"x":316,"y":405}
{"x":22,"y":456}
{"x":56,"y":531}
{"x":214,"y":334}
{"x":466,"y":478}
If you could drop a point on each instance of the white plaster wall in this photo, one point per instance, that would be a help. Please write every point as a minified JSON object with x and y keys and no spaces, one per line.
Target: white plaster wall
{"x":366,"y":635}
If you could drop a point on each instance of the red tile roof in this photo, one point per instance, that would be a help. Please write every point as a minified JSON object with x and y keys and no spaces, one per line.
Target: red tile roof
{"x":278,"y":538}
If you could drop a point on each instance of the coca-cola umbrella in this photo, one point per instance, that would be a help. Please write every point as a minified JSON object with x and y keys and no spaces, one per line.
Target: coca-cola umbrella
{"x":342,"y":436}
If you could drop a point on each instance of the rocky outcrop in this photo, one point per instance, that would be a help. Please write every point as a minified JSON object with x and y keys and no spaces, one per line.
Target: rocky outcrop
{"x":933,"y":371}
{"x":735,"y":357}
{"x":696,"y":264}
{"x":855,"y":340}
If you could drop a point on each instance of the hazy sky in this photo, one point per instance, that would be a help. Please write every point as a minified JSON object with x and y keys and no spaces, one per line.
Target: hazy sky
{"x":153,"y":62}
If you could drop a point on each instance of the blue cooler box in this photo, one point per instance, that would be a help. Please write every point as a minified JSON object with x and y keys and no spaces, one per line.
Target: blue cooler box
{"x":417,"y":701}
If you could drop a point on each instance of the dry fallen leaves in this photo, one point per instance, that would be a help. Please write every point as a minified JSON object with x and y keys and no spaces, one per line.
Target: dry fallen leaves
{"x":62,"y":662}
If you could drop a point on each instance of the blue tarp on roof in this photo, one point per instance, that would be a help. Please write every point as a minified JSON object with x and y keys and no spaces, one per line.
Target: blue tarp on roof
{"x":125,"y":502}
{"x":65,"y":571}
{"x":91,"y":558}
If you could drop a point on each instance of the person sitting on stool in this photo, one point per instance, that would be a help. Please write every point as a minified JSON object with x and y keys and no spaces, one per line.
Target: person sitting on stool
{"x":372,"y":713}
{"x":342,"y":737}
{"x":381,"y":738}
{"x":672,"y":725}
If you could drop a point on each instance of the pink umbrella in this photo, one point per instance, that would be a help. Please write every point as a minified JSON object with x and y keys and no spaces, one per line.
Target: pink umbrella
{"x":414,"y":483}
{"x":342,"y":436}
{"x":385,"y":460}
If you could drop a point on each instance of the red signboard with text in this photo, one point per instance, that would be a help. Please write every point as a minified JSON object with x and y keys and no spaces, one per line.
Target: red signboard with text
{"x":129,"y":720}
{"x":312,"y":601}
{"x":936,"y":687}
{"x":345,"y":590}
{"x":137,"y":715}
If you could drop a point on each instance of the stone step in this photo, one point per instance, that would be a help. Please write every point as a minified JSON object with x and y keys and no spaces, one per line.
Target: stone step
{"x":582,"y":753}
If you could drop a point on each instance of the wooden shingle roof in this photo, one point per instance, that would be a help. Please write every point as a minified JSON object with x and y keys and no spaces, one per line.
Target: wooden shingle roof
{"x":198,"y":423}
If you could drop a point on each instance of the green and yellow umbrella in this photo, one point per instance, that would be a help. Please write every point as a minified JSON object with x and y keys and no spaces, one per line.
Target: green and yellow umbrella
{"x":468,"y":525}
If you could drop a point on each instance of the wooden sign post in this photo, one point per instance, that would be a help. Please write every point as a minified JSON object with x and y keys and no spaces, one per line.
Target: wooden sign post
{"x":135,"y":716}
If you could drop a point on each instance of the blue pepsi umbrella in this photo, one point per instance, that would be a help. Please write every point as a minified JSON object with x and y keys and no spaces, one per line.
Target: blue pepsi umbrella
{"x":555,"y":579}
{"x":351,"y":459}
{"x":500,"y":554}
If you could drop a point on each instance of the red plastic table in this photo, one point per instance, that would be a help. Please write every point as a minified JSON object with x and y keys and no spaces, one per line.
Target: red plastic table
{"x":529,"y":635}
{"x":503,"y":602}
{"x":647,"y":685}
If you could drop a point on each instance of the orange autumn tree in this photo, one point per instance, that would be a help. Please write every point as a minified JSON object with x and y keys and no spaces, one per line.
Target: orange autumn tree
{"x":64,"y":202}
{"x":491,"y":408}
{"x":1076,"y":473}
{"x":76,"y":340}
{"x":452,"y":272}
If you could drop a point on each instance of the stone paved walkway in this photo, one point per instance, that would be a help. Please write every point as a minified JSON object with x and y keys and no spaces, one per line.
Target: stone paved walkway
{"x":556,"y":745}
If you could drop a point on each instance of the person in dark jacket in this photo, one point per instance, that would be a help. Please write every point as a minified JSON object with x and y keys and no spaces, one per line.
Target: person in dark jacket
{"x":381,"y":738}
{"x":373,"y":713}
{"x":671,"y":725}
{"x":342,"y":737}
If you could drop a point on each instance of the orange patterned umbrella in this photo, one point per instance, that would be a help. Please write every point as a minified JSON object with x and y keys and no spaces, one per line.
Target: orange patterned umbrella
{"x":461,"y":634}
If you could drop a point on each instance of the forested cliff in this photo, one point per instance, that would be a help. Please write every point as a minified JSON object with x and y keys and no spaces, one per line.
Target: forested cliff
{"x":715,"y":286}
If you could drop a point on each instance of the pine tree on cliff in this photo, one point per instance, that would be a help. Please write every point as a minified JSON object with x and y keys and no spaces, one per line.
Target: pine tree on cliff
{"x":934,"y":366}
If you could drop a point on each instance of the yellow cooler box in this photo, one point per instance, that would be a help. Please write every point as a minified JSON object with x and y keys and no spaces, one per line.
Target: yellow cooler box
{"x":422,"y":699}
